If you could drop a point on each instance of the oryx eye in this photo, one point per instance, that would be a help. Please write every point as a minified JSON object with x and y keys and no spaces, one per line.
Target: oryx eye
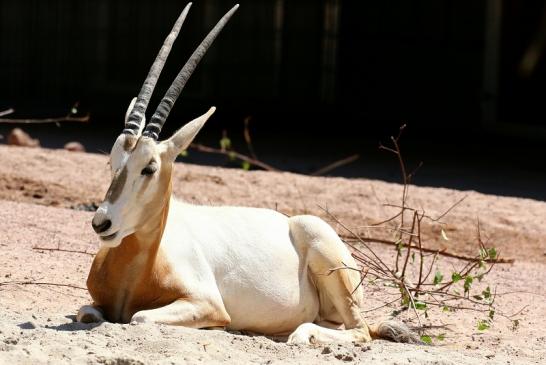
{"x":149,"y":170}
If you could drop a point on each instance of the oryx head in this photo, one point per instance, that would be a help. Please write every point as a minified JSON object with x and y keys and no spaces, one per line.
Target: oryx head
{"x":140,"y":164}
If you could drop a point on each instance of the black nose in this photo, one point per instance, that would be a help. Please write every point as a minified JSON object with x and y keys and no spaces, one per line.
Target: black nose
{"x":101,"y":226}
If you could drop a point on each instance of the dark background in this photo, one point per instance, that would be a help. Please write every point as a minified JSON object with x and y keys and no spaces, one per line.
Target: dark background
{"x":321,"y":79}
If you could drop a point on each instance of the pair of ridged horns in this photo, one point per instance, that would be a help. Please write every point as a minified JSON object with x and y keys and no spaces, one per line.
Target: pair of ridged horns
{"x":137,"y":114}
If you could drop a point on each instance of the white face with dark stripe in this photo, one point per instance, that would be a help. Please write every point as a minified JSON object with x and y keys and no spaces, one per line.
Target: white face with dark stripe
{"x":136,"y":174}
{"x":141,"y":173}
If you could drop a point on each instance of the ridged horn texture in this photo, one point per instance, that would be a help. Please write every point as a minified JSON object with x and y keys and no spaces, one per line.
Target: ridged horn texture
{"x":136,"y":116}
{"x":153,"y":128}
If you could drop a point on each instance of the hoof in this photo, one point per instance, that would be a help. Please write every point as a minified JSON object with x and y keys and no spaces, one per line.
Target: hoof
{"x":305,"y":334}
{"x":89,"y":314}
{"x":139,"y":318}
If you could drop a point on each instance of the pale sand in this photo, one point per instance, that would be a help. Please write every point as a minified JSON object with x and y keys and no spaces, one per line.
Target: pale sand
{"x":37,"y":186}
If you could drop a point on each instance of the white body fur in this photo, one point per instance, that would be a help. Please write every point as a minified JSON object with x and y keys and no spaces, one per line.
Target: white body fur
{"x":246,"y":257}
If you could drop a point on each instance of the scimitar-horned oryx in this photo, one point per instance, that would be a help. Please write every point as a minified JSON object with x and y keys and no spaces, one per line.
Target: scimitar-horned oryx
{"x":165,"y":261}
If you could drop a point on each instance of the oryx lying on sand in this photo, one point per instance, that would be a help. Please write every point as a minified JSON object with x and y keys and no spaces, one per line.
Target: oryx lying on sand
{"x":251,"y":269}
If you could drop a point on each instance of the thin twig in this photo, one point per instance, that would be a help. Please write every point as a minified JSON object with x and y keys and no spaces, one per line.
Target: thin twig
{"x":14,"y":282}
{"x":381,"y":306}
{"x":240,"y":156}
{"x":65,"y":119}
{"x":450,"y":209}
{"x":62,"y":250}
{"x":6,"y":112}
{"x":442,"y":252}
{"x":420,"y":248}
{"x":388,"y":219}
{"x":415,"y":214}
{"x":518,"y":312}
{"x":412,"y":304}
{"x":335,"y":165}
{"x":248,"y":139}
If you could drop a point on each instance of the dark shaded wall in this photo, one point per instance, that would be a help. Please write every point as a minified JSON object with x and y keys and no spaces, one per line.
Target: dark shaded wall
{"x":298,"y":64}
{"x":414,"y":61}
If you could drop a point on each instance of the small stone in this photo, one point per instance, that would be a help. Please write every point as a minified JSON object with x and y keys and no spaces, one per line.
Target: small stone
{"x":343,"y":357}
{"x":74,"y":146}
{"x":18,"y":137}
{"x":326,"y":350}
{"x":11,"y":341}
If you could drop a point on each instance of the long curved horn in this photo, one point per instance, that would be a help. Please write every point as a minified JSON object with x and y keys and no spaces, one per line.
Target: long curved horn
{"x":137,"y":114}
{"x":153,"y":128}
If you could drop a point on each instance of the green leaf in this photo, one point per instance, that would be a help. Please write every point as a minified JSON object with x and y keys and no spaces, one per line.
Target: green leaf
{"x":483,"y":253}
{"x":492,"y":253}
{"x":232,"y":156}
{"x":225,"y":143}
{"x":444,"y":235}
{"x":468,"y":283}
{"x":445,"y":308}
{"x":491,"y":313}
{"x":245,"y":165}
{"x":486,"y":293}
{"x":390,"y":284}
{"x":483,"y":325}
{"x":438,"y":278}
{"x":184,"y":153}
{"x":441,"y":337}
{"x":515,"y":324}
{"x":420,"y":305}
{"x":456,"y":277}
{"x":426,"y":339}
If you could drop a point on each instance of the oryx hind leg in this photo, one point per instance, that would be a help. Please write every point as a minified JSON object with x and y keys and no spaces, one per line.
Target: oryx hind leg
{"x":339,"y":302}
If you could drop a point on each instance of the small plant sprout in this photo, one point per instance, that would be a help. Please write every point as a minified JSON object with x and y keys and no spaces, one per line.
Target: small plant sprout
{"x":422,"y":289}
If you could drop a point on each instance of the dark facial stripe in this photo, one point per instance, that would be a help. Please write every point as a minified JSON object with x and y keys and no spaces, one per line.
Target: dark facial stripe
{"x":116,"y":187}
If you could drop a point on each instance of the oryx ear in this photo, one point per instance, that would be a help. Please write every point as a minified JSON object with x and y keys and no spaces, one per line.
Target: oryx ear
{"x":182,"y":138}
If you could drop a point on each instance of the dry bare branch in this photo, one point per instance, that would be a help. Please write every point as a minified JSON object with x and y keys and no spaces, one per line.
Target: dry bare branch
{"x":237,"y":155}
{"x":335,"y":165}
{"x":31,"y":282}
{"x":66,"y":119}
{"x":62,"y":250}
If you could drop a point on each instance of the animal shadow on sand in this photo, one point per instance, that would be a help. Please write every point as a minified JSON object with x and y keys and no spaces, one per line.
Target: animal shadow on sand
{"x":70,"y":326}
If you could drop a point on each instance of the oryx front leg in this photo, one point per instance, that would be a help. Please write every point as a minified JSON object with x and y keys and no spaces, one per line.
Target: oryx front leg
{"x":186,"y":312}
{"x":89,"y":314}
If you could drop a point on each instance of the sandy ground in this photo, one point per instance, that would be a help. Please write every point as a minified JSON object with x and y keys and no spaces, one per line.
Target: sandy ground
{"x":39,"y":190}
